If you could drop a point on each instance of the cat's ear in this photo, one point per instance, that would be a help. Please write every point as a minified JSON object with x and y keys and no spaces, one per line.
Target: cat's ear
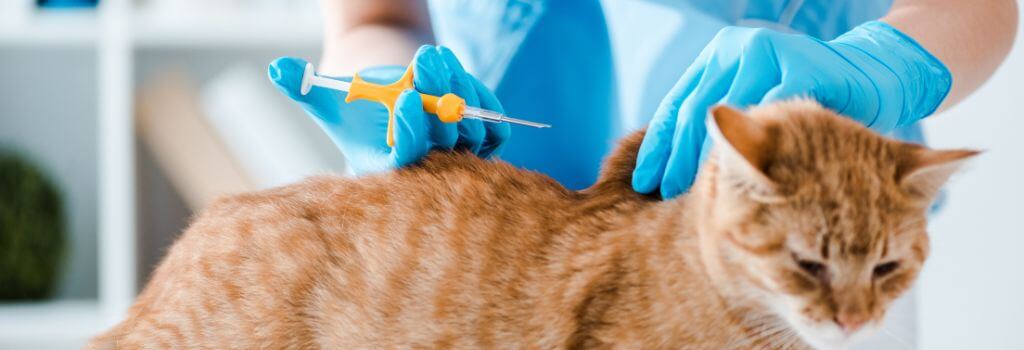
{"x":743,"y":147}
{"x":923,"y":171}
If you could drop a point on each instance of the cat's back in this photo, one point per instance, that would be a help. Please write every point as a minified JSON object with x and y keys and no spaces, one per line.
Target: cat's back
{"x":336,"y":262}
{"x":444,"y":185}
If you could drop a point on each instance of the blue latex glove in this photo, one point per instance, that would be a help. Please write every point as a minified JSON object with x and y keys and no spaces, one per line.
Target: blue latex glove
{"x":873,"y":74}
{"x":360,"y":128}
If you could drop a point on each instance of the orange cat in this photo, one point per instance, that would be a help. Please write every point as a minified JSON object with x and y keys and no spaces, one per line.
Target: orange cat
{"x":801,"y":230}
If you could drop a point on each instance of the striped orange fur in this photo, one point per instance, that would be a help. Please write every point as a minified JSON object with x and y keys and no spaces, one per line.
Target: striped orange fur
{"x":459,"y":252}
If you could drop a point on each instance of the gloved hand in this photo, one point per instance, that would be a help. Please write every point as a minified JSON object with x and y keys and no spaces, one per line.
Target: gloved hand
{"x":873,"y":74}
{"x":360,"y":128}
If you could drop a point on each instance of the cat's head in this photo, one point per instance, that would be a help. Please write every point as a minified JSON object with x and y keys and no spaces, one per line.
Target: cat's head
{"x":818,"y":218}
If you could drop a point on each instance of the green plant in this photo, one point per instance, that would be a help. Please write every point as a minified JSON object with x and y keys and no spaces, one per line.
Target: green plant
{"x":32,"y":230}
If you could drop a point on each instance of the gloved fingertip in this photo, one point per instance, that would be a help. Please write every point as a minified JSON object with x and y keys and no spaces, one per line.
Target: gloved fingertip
{"x":680,"y":176}
{"x":408,"y":99}
{"x":494,"y":140}
{"x":451,"y":60}
{"x":286,"y":74}
{"x":669,"y":192}
{"x":674,"y":184}
{"x":643,"y":180}
{"x":471,"y":135}
{"x":491,"y":152}
{"x":639,"y":183}
{"x":427,"y":56}
{"x":274,"y":71}
{"x":651,"y":161}
{"x":501,"y":132}
{"x":286,"y":63}
{"x":423,"y":49}
{"x":430,"y":74}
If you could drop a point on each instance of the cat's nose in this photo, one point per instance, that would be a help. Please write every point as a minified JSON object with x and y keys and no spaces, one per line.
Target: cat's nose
{"x":851,"y":321}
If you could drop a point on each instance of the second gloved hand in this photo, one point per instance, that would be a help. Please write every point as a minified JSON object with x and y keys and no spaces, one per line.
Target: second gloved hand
{"x":873,"y":74}
{"x":360,"y":128}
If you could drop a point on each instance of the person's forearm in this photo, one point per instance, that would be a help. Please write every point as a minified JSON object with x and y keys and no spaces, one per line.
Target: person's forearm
{"x":364,"y":33}
{"x":970,"y":37}
{"x":367,"y":46}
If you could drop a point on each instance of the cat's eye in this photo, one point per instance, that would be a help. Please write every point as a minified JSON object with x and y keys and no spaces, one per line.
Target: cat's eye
{"x":813,"y":268}
{"x":885,"y":269}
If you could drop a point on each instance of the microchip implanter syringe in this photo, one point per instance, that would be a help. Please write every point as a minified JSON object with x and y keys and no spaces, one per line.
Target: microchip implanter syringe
{"x":449,"y":108}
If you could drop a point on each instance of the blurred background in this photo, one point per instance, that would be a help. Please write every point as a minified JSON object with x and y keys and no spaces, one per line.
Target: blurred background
{"x":120,"y":119}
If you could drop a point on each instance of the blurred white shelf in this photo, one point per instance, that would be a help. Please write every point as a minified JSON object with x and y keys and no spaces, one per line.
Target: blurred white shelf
{"x":251,"y":29}
{"x":51,"y":322}
{"x":50,"y":28}
{"x":117,"y":30}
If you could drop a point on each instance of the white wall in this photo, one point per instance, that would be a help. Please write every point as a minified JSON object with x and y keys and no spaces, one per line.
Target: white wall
{"x":972,"y":290}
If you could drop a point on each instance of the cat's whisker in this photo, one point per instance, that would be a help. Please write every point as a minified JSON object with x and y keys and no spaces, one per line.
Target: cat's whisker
{"x":774,"y":336}
{"x":796,"y":340}
{"x":766,"y":326}
{"x":789,"y":340}
{"x":897,"y":317}
{"x":771,"y":335}
{"x":781,"y":341}
{"x":892,"y":335}
{"x":772,"y":344}
{"x":908,"y":225}
{"x":764,"y":321}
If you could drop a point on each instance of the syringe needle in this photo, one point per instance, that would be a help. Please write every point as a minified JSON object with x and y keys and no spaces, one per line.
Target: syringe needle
{"x":495,"y":117}
{"x":524,"y":122}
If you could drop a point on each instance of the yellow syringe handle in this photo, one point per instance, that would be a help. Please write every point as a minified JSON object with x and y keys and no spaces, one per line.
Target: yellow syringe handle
{"x":448,"y":108}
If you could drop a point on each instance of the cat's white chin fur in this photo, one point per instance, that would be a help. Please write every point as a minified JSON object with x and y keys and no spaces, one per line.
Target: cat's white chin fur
{"x":825,"y":335}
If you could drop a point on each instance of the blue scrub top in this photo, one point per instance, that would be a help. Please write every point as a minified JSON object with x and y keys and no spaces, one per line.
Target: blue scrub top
{"x":596,"y":70}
